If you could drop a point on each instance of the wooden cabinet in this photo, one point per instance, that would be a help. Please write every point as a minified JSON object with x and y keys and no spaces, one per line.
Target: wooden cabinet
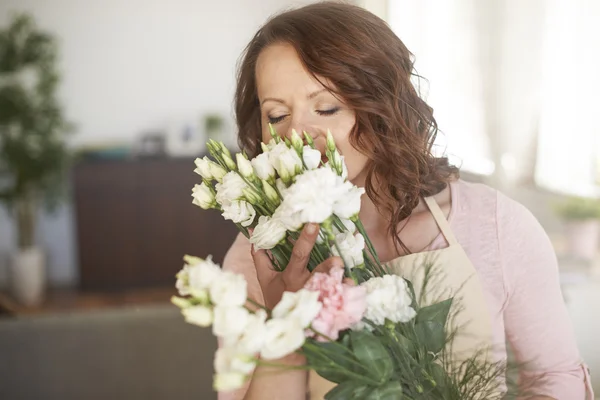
{"x":135,"y":220}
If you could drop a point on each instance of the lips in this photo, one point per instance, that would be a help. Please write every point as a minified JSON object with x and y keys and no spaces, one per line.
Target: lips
{"x":324,"y":159}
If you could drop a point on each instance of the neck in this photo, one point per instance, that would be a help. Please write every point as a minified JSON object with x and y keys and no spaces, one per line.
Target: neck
{"x":374,"y":217}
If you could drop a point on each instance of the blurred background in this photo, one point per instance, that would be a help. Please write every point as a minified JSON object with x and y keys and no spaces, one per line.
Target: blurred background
{"x":104,"y":106}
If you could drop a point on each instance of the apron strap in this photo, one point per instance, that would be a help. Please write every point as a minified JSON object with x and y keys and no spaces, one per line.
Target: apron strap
{"x":441,"y":220}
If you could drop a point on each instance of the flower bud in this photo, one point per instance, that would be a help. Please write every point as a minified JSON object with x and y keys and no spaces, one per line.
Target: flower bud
{"x":297,"y":141}
{"x":203,"y":168}
{"x":330,"y":141}
{"x":229,"y":162}
{"x":309,"y":139}
{"x":244,"y":166}
{"x":270,"y":192}
{"x":203,"y":196}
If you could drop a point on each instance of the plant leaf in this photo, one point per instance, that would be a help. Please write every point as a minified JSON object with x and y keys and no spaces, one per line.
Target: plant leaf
{"x":390,"y":391}
{"x":333,"y":360}
{"x":345,"y":390}
{"x":372,"y":354}
{"x":437,"y":312}
{"x":432,"y":334}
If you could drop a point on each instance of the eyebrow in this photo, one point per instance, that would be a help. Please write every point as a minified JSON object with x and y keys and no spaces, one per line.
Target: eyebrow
{"x":309,"y":97}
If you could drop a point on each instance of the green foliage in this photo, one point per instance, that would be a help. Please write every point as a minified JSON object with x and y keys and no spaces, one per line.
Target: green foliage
{"x":33,"y":153}
{"x":577,"y":208}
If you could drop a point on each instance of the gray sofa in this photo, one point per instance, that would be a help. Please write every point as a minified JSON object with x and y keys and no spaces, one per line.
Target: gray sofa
{"x":132,"y":353}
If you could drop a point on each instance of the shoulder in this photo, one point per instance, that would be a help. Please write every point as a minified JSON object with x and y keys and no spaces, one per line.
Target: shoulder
{"x":488,"y":205}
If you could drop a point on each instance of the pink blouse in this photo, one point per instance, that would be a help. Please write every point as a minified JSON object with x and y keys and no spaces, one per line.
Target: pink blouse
{"x":519,"y":271}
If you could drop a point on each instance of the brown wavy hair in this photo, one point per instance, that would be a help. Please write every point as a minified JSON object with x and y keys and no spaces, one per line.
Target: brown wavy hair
{"x":370,"y":69}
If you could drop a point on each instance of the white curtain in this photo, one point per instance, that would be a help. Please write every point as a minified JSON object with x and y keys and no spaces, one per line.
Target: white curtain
{"x":443,"y":37}
{"x":568,"y":157}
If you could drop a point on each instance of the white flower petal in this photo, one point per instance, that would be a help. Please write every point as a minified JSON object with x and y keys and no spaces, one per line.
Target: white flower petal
{"x":267,"y":233}
{"x":302,"y":305}
{"x":229,"y":289}
{"x":311,"y":157}
{"x":284,"y":336}
{"x":198,"y":315}
{"x":240,"y":212}
{"x":230,"y":322}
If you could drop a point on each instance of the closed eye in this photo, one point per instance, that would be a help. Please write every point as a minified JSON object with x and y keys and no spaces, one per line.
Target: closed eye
{"x":274,"y":120}
{"x":331,"y":111}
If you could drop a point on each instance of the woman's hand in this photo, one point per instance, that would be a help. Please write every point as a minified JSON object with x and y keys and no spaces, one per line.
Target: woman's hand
{"x":273,"y":283}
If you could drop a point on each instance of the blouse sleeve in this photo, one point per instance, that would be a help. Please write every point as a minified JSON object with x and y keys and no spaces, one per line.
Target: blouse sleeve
{"x":238,"y":259}
{"x":537,"y":323}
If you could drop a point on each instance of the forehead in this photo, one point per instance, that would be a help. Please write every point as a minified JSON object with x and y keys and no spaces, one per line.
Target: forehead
{"x":279,"y":70}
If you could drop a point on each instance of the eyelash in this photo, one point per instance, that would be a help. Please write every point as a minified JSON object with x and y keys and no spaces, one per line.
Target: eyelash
{"x":332,"y":111}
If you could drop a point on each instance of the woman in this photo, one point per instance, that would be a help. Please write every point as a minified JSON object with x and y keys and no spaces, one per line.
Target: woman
{"x":336,"y":66}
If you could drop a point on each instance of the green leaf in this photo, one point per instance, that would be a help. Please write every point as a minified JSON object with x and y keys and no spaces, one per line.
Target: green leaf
{"x":334,"y":360}
{"x":390,"y":391}
{"x":436,"y":312}
{"x":432,"y":334}
{"x":439,"y":377}
{"x":346,"y":390}
{"x":372,"y":354}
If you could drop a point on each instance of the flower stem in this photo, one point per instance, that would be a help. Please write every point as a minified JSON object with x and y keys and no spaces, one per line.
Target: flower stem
{"x":249,"y":300}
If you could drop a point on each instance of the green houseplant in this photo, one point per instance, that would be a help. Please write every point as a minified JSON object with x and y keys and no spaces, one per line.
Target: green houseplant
{"x":33,"y":151}
{"x":582,"y":223}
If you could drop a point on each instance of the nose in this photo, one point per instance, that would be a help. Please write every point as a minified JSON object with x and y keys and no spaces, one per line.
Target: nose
{"x":301,"y":126}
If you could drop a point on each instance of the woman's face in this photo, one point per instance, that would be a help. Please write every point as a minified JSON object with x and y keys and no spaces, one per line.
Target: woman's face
{"x":290,"y":98}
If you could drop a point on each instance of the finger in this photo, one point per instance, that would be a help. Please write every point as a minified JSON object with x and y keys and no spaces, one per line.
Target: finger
{"x":328,"y":264}
{"x":349,"y":281}
{"x":296,"y":270}
{"x":264,"y":268}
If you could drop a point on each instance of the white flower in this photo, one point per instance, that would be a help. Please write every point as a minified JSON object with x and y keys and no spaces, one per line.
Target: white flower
{"x":196,"y":277}
{"x":198,"y":315}
{"x":228,"y":359}
{"x":228,"y":381}
{"x":285,"y":159}
{"x":348,"y":206}
{"x":232,"y":369}
{"x":183,"y":281}
{"x":203,"y":196}
{"x":283,"y":337}
{"x":351,"y":246}
{"x":291,"y":221}
{"x":263,"y":167}
{"x":203,"y":167}
{"x":313,"y":195}
{"x":252,"y":339}
{"x":240,"y":212}
{"x":230,"y":322}
{"x":281,"y":186}
{"x":203,"y":273}
{"x":311,"y":157}
{"x":244,"y":165}
{"x":230,"y":189}
{"x":302,"y":306}
{"x":229,"y":290}
{"x":217,"y":171}
{"x":388,"y":298}
{"x":267,"y":233}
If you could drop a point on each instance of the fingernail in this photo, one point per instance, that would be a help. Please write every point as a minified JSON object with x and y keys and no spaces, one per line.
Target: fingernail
{"x":311,"y":228}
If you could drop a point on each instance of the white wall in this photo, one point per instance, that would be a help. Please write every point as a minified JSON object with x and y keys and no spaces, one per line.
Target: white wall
{"x":134,"y":65}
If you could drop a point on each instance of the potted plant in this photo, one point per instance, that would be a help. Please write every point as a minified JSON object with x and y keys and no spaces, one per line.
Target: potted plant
{"x":582,"y":217}
{"x":213,"y":126}
{"x":33,"y":151}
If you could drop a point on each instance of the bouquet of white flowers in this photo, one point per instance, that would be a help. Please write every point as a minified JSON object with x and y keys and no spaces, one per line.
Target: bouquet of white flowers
{"x":372,"y":338}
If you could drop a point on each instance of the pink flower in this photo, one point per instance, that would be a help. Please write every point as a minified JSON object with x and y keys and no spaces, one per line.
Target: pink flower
{"x":343,"y":304}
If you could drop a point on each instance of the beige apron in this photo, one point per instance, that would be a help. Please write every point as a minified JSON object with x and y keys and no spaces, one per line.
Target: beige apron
{"x":454,"y":274}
